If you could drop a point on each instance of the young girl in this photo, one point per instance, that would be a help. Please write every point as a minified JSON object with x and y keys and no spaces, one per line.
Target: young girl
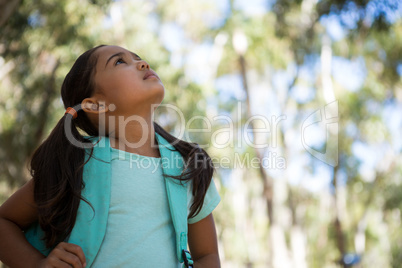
{"x":92,"y":201}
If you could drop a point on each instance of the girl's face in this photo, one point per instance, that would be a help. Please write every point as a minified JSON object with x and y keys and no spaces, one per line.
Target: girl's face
{"x":123,"y":79}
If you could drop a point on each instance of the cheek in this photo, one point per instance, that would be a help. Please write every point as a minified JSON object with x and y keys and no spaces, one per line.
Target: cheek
{"x":115,"y":79}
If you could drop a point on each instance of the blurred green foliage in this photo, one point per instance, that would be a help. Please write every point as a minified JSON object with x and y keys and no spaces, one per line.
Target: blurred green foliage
{"x":41,"y":39}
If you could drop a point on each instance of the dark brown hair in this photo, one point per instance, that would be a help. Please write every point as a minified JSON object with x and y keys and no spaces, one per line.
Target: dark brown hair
{"x":57,"y":165}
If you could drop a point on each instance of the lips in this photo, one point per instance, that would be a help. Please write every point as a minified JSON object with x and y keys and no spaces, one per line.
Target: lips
{"x":150,"y":74}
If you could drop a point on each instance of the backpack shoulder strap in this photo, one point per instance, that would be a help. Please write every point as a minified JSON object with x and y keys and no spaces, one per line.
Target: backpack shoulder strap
{"x":88,"y":231}
{"x":90,"y":227}
{"x":172,"y":165}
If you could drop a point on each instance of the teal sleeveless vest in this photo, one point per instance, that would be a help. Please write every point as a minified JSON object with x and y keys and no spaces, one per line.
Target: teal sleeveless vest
{"x":90,"y":226}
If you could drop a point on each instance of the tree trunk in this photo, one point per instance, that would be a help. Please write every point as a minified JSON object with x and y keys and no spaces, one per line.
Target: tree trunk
{"x":7,"y":8}
{"x":329,"y":96}
{"x":279,"y":255}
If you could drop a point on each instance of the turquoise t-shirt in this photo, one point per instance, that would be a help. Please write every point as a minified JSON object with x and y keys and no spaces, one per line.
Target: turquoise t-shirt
{"x":139,"y":230}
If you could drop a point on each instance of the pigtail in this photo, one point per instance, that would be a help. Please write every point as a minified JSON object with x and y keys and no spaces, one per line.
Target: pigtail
{"x":57,"y":168}
{"x":57,"y":164}
{"x":198,"y":167}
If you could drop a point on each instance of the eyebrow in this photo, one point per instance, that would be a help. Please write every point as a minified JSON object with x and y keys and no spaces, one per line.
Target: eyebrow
{"x":135,"y":55}
{"x":114,"y":55}
{"x":121,"y":54}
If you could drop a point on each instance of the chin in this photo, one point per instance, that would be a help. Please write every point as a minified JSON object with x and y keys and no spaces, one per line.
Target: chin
{"x":160,"y":93}
{"x":158,"y":96}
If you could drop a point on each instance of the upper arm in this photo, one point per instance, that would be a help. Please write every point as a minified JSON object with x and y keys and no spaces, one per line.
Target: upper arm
{"x":20,"y":207}
{"x":202,"y":238}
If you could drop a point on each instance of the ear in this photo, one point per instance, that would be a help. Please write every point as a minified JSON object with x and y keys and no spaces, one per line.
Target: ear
{"x":93,"y":106}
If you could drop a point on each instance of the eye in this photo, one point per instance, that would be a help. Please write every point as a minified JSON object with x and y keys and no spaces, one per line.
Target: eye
{"x":119,"y":61}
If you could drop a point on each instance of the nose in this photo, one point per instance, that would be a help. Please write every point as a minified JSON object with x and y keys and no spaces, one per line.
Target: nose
{"x":142,"y":65}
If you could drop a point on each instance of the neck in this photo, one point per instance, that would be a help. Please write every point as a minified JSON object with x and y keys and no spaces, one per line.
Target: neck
{"x":135,"y":136}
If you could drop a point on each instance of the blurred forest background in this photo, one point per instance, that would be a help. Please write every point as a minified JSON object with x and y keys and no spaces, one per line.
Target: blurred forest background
{"x":327,"y":191}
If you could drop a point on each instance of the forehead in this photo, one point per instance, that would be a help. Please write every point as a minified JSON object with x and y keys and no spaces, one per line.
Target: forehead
{"x":104,"y":53}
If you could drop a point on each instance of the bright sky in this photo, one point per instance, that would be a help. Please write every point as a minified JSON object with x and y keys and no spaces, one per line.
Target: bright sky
{"x":350,"y":74}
